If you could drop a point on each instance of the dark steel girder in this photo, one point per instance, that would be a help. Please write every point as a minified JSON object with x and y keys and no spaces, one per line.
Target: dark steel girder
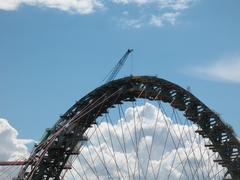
{"x":50,"y":156}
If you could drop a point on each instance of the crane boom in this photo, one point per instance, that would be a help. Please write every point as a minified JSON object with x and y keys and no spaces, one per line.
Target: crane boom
{"x":113,"y":73}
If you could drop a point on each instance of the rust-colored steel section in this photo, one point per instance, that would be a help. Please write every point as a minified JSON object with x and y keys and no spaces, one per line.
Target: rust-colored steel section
{"x":13,"y":163}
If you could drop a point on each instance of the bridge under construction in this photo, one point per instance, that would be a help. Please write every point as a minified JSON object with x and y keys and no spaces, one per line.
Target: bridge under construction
{"x":108,"y":134}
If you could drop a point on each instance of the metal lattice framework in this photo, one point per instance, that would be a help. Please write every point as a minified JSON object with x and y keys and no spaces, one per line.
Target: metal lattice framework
{"x":49,"y":158}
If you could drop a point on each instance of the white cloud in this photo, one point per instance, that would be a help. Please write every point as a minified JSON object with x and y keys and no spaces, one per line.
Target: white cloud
{"x":11,"y":148}
{"x":227,"y":69}
{"x":78,"y":6}
{"x":164,"y":18}
{"x":100,"y":149}
{"x":144,"y":12}
{"x":172,"y":4}
{"x":177,"y":4}
{"x":153,"y":12}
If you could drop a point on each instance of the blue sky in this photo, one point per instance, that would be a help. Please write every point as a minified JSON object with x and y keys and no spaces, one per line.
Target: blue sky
{"x":53,"y":52}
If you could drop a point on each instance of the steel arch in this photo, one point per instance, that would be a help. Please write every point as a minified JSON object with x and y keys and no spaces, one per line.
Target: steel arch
{"x":50,"y":156}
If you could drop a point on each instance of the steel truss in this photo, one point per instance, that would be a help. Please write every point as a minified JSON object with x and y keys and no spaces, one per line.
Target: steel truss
{"x":50,"y":157}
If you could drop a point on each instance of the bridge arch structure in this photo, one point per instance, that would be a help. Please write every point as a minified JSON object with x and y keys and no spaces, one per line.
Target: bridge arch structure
{"x":50,"y":157}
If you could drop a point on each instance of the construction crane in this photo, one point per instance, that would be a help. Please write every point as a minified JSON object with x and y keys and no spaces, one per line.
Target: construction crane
{"x":111,"y":76}
{"x":113,"y":73}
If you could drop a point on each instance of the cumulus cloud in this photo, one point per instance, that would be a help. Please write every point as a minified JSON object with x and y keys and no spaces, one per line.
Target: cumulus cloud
{"x":79,"y":6}
{"x":133,"y":147}
{"x":142,"y":13}
{"x":137,"y":145}
{"x":227,"y":69}
{"x":11,"y":148}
